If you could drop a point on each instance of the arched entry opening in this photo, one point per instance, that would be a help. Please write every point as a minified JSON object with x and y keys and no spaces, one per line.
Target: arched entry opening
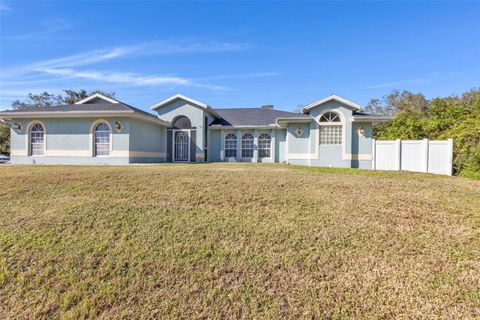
{"x":182,"y":122}
{"x":181,"y":139}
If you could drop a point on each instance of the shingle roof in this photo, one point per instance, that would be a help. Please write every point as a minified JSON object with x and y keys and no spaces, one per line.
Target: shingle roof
{"x":252,"y":116}
{"x":87,"y":107}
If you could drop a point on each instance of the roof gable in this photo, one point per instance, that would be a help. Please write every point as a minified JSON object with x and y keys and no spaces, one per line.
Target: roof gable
{"x":194,"y":102}
{"x":332,"y":97}
{"x":95,"y":97}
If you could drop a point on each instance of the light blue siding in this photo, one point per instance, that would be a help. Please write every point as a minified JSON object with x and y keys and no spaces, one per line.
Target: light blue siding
{"x":71,"y":134}
{"x":280,"y":148}
{"x":214,"y":146}
{"x":362,"y":164}
{"x":298,"y":144}
{"x":195,"y":114}
{"x":146,"y":137}
{"x":346,"y":115}
{"x":70,"y":141}
{"x":70,"y":160}
{"x":362,"y":144}
{"x":17,"y":138}
{"x":331,"y":156}
{"x":144,"y":141}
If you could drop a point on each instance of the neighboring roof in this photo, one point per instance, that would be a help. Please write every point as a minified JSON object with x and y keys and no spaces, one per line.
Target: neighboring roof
{"x":328,"y":99}
{"x":90,"y":109}
{"x":97,"y":96}
{"x":238,"y":117}
{"x":185,"y":98}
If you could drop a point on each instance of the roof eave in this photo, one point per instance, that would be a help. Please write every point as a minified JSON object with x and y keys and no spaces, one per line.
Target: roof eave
{"x":283,"y":121}
{"x":79,"y":114}
{"x":376,"y":119}
{"x":346,"y":102}
{"x":56,"y":114}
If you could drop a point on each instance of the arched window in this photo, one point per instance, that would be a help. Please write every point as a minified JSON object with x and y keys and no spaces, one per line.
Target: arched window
{"x":102,"y":140}
{"x":182,"y":122}
{"x":231,"y":146}
{"x":264,"y":142}
{"x":247,"y":146}
{"x":330,"y":129}
{"x":37,"y":140}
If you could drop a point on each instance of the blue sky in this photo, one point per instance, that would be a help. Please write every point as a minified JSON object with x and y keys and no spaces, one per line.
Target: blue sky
{"x":239,"y":54}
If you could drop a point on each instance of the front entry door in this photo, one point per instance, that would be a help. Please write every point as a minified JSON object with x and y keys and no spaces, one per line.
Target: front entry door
{"x":181,"y":146}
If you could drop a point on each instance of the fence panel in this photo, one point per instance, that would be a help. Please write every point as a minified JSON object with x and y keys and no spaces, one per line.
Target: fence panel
{"x":413,"y":155}
{"x":439,"y":157}
{"x":386,"y":155}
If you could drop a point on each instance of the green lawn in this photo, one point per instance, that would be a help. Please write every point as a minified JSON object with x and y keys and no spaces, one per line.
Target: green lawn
{"x":236,"y":241}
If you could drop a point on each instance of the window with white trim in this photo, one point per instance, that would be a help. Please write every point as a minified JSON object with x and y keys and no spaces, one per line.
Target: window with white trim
{"x":247,"y":146}
{"x":102,"y":140}
{"x":37,"y":140}
{"x":264,"y":144}
{"x":330,"y":129}
{"x":231,"y":146}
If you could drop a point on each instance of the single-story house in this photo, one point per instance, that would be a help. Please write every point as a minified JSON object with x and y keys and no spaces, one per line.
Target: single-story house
{"x":101,"y":130}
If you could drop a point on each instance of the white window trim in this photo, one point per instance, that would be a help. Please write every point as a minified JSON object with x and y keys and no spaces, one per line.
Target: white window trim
{"x":225,"y":145}
{"x":242,"y":148}
{"x":92,"y":138}
{"x":270,"y":148}
{"x":343,"y":123}
{"x":27,"y":138}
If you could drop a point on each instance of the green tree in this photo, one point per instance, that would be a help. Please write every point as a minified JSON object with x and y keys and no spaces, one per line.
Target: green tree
{"x":456,"y":117}
{"x":396,"y":102}
{"x":4,"y":139}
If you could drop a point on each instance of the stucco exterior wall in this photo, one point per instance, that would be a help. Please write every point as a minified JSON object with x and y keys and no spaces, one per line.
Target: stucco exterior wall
{"x":148,"y":142}
{"x":70,"y":140}
{"x":69,"y":137}
{"x":214,"y":146}
{"x":362,"y":145}
{"x":196,"y":116}
{"x":70,"y":160}
{"x":280,"y":148}
{"x":298,"y":146}
{"x":355,"y":150}
{"x":346,"y":117}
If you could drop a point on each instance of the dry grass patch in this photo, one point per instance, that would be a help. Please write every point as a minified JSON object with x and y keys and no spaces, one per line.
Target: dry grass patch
{"x":236,"y":241}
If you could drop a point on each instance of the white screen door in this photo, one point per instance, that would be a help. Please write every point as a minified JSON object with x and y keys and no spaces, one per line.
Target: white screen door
{"x":181,"y":146}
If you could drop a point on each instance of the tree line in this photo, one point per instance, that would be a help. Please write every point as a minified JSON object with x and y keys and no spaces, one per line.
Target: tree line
{"x":416,"y":117}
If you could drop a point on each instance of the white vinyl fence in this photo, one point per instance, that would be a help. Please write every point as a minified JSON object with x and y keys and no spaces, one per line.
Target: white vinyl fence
{"x":432,"y":156}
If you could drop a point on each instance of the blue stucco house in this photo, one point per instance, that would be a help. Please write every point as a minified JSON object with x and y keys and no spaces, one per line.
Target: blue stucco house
{"x":330,"y":132}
